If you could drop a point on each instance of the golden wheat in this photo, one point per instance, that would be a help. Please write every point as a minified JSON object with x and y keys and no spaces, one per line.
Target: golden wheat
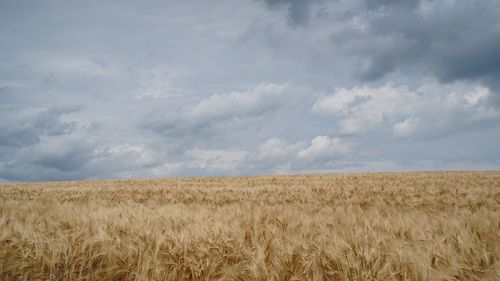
{"x":410,"y":226}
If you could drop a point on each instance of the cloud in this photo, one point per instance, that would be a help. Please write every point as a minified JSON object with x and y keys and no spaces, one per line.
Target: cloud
{"x":275,"y":155}
{"x":262,"y":98}
{"x":385,"y":4}
{"x":124,"y":160}
{"x":362,"y":109}
{"x":132,"y":156}
{"x":222,"y":112}
{"x":78,"y":66}
{"x":218,"y":160}
{"x":324,"y":147}
{"x":161,"y":82}
{"x":62,"y":154}
{"x":283,"y":157}
{"x":52,"y":157}
{"x":204,"y":161}
{"x":431,"y":109}
{"x":24,"y":126}
{"x":276,"y":148}
{"x":187,"y":87}
{"x":451,"y":39}
{"x":36,"y":139}
{"x":298,"y":11}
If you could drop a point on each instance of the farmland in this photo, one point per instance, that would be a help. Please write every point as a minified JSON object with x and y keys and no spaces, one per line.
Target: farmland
{"x":384,"y":226}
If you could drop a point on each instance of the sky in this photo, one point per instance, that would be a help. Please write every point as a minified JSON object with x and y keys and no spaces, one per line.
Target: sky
{"x":150,"y":89}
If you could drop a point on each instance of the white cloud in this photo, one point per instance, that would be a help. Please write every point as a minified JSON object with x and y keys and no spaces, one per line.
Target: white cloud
{"x":262,"y":98}
{"x":281,"y":157}
{"x":135,"y":155}
{"x":123,"y":160}
{"x":406,"y":128}
{"x":277,"y":148}
{"x":218,"y":160}
{"x":431,"y":108}
{"x":203,"y":161}
{"x":223,"y":113}
{"x":161,"y":82}
{"x":168,"y":169}
{"x":324,"y":146}
{"x":80,"y":66}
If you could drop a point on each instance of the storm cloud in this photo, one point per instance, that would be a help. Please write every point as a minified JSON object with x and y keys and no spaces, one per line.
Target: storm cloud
{"x":298,"y":12}
{"x":451,"y":40}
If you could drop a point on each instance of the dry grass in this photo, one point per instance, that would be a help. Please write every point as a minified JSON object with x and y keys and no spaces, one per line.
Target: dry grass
{"x":415,"y":226}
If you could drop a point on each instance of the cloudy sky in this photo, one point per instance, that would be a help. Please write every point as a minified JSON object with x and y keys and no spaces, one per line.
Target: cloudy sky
{"x":118,"y":89}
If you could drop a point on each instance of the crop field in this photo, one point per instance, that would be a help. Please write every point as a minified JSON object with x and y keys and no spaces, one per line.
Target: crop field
{"x":386,"y":226}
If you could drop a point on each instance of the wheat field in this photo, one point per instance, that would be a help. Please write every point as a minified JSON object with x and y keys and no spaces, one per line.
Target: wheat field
{"x":387,"y":226}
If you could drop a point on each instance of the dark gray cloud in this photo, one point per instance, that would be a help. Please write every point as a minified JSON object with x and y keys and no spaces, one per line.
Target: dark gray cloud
{"x":35,"y":139}
{"x":64,"y":156}
{"x":298,"y":11}
{"x":449,"y":39}
{"x":25,"y":126}
{"x":392,"y":4}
